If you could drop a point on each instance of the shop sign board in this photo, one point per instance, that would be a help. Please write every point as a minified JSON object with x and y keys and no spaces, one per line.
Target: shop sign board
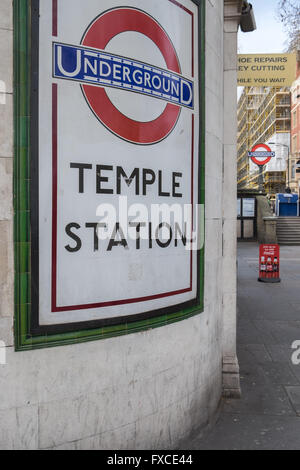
{"x":268,"y":70}
{"x":269,"y":263}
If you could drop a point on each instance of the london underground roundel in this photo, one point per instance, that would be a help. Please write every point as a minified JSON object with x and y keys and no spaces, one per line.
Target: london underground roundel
{"x":98,"y":35}
{"x":98,"y":69}
{"x":261,"y":154}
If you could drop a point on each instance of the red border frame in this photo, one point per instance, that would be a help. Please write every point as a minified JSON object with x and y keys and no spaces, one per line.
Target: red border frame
{"x":54,"y":18}
{"x":54,"y":307}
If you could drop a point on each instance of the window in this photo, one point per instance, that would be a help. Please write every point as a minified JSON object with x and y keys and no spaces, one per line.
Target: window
{"x":249,"y":207}
{"x":294,"y":121}
{"x":294,"y":144}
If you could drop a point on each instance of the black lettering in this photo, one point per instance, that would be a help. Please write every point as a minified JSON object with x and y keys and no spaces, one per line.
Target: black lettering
{"x":81,"y":167}
{"x":102,"y":179}
{"x":135,"y":174}
{"x":113,"y":242}
{"x":160,"y":191}
{"x":96,"y":239}
{"x":74,"y":237}
{"x":168,"y":242}
{"x":147,"y":181}
{"x":176,"y":184}
{"x":138,"y":226}
{"x":150,"y":236}
{"x":179,"y":234}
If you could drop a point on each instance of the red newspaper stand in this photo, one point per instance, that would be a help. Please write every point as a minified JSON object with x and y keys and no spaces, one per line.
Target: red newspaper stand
{"x":269,"y":263}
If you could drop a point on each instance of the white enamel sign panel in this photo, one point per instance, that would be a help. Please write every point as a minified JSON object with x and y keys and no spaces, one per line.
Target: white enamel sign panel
{"x":118,"y":137}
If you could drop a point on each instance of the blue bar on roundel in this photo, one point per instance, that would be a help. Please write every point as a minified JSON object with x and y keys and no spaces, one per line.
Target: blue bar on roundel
{"x":96,"y":67}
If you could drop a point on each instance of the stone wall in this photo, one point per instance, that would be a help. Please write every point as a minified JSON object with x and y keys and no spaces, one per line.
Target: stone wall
{"x":266,"y":222}
{"x":145,"y":390}
{"x":231,"y":382}
{"x":6,"y":173}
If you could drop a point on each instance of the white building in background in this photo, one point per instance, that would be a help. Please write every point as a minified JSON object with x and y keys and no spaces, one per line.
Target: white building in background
{"x":103,"y":388}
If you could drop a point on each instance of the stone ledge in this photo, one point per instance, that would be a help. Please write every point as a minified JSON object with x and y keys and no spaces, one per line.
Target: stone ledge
{"x":231,"y":377}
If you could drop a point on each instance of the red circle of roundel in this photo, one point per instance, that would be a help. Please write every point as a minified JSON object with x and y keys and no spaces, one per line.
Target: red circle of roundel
{"x":98,"y":35}
{"x":261,"y":162}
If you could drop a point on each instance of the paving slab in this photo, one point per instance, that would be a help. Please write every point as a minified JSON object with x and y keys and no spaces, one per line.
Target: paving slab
{"x":256,"y":432}
{"x":294,"y":395}
{"x":267,"y":417}
{"x":249,"y":353}
{"x":260,"y":399}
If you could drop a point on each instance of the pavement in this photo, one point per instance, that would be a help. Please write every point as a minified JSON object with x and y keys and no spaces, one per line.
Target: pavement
{"x":267,"y":417}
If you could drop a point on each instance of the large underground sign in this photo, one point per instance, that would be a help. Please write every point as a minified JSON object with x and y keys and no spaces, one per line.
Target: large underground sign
{"x":118,"y":160}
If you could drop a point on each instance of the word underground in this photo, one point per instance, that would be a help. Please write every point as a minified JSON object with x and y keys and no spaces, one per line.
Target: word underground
{"x":159,"y":230}
{"x":261,"y":154}
{"x":90,"y":66}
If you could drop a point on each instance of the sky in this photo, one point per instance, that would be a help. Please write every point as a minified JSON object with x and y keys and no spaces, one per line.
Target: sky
{"x":269,"y":36}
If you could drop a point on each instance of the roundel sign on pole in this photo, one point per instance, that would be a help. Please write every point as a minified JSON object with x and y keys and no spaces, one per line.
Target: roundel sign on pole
{"x":261,"y":154}
{"x":118,"y":135}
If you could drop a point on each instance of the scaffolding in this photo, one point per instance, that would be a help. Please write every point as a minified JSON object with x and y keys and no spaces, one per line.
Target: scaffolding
{"x":262,"y":113}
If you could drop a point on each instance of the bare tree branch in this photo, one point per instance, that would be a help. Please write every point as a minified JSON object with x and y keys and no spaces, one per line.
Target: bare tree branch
{"x":289,"y":15}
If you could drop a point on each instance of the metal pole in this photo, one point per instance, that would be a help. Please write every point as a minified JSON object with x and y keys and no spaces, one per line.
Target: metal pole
{"x":261,"y":179}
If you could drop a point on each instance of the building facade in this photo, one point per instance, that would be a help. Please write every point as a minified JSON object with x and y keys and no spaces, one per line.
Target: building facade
{"x":264,"y":116}
{"x":295,"y":131}
{"x":153,"y":387}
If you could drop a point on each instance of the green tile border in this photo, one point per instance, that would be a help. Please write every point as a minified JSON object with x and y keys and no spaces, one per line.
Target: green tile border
{"x":22,"y":245}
